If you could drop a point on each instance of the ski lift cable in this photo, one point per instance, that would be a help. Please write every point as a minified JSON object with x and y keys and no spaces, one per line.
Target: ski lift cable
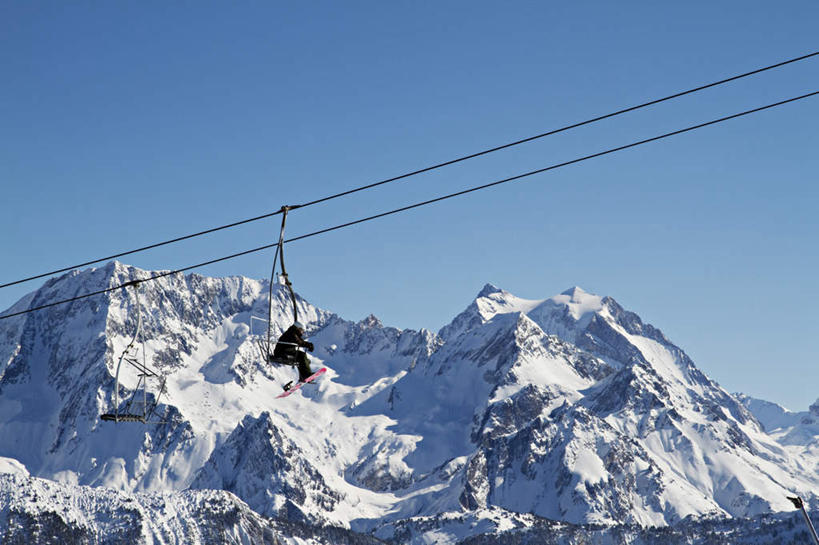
{"x":424,"y":203}
{"x":552,"y":167}
{"x":421,"y":170}
{"x":561,"y":129}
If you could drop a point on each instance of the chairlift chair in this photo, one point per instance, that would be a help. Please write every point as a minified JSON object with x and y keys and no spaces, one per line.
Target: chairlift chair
{"x":267,"y":347}
{"x":135,"y":409}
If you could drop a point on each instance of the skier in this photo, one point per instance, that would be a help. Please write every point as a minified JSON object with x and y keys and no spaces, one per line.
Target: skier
{"x":287,"y":348}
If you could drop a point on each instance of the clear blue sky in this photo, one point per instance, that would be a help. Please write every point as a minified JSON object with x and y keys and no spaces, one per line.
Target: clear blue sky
{"x":126,"y":123}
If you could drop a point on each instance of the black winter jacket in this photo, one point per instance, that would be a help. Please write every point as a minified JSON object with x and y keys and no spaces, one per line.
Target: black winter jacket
{"x":294,"y":338}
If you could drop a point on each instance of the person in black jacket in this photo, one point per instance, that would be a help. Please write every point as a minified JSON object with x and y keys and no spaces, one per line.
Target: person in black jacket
{"x":288,"y":346}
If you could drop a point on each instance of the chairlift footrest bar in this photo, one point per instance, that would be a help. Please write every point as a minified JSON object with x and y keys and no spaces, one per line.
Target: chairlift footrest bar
{"x":110,"y":417}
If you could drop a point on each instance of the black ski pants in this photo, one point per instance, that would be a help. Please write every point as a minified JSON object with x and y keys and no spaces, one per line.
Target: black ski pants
{"x":303,"y":365}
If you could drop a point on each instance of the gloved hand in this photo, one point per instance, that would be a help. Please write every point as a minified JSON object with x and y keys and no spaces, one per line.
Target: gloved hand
{"x":310,"y":346}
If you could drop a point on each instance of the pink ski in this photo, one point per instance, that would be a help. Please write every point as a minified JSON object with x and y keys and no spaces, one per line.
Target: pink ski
{"x":298,"y":385}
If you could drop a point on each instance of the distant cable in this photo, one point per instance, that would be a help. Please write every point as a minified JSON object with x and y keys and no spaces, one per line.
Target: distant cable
{"x":566,"y":128}
{"x":423,"y":203}
{"x":150,"y":247}
{"x":553,"y":167}
{"x":419,"y":171}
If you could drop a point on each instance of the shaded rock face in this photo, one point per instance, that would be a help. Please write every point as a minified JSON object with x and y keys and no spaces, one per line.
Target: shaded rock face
{"x":524,"y":448}
{"x":267,"y":470}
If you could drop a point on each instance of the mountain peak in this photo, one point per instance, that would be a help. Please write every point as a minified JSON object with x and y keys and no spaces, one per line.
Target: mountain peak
{"x":575,"y":293}
{"x":371,"y":322}
{"x":579,"y":302}
{"x":492,"y":301}
{"x":488,"y":290}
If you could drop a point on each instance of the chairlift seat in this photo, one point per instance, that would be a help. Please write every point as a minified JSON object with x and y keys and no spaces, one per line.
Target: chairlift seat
{"x":287,"y":359}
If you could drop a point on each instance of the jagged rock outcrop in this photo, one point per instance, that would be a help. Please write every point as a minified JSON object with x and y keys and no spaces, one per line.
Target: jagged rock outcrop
{"x":261,"y":465}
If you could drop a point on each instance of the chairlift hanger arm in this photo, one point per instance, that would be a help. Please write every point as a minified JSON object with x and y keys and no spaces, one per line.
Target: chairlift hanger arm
{"x":131,"y":344}
{"x":287,"y":282}
{"x":267,"y":348}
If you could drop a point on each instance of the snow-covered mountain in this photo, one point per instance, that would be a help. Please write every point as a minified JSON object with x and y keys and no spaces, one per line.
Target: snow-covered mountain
{"x":796,"y":432}
{"x":790,"y":428}
{"x":569,"y":408}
